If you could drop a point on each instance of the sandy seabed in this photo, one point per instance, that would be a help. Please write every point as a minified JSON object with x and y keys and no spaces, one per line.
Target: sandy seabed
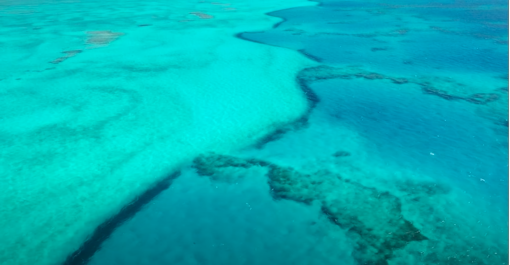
{"x":96,"y":108}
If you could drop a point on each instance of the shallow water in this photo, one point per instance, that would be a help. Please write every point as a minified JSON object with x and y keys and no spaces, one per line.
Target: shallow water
{"x":401,"y":157}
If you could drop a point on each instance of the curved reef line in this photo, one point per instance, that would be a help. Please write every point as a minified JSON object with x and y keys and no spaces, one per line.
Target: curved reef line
{"x":373,"y":246}
{"x":90,"y":166}
{"x":83,"y":255}
{"x":373,"y":218}
{"x":377,"y":239}
{"x":311,"y":96}
{"x":301,"y":123}
{"x":104,"y":231}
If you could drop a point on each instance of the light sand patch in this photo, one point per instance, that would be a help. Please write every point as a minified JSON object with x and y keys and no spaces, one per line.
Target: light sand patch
{"x":125,"y":130}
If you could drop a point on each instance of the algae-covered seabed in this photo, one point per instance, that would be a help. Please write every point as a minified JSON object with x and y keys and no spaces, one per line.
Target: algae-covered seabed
{"x":390,"y":148}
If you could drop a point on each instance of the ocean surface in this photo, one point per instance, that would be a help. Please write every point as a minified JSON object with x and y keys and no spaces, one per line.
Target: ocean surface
{"x":267,"y":132}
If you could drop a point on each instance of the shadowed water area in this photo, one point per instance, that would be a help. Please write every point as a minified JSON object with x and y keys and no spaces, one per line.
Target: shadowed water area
{"x":352,"y":132}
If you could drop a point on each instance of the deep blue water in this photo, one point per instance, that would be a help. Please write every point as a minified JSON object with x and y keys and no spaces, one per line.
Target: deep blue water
{"x":406,"y":42}
{"x":426,"y":38}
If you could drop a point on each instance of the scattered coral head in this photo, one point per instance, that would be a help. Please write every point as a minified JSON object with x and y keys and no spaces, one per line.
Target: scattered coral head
{"x":68,"y":54}
{"x":202,"y":15}
{"x":102,"y":37}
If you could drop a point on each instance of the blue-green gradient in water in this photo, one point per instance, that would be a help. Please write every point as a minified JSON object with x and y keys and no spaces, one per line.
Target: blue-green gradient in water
{"x":416,"y":80}
{"x":401,"y":159}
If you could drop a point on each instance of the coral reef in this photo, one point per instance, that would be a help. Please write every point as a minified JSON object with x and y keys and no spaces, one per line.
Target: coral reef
{"x":374,"y":219}
{"x":202,"y":15}
{"x":353,"y":208}
{"x":282,"y":130}
{"x":68,"y":54}
{"x":102,"y":38}
{"x":341,"y":154}
{"x":301,"y":123}
{"x":448,"y":89}
{"x":102,"y":232}
{"x":477,"y":35}
{"x":376,"y":49}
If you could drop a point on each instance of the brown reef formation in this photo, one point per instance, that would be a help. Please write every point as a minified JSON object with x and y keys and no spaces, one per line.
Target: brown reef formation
{"x":202,"y":15}
{"x":68,"y":54}
{"x":102,"y":37}
{"x":372,"y":218}
{"x":353,"y":209}
{"x":437,"y":86}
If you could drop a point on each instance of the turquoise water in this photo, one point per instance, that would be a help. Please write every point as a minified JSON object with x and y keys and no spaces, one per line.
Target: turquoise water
{"x":194,"y":133}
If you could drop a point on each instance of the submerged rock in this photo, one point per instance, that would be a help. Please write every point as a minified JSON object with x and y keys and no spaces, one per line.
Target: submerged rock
{"x":374,"y":219}
{"x":376,"y":49}
{"x":341,"y":154}
{"x":68,"y":54}
{"x":102,"y":37}
{"x":442,"y":87}
{"x":482,"y":98}
{"x":371,"y":217}
{"x":202,"y":15}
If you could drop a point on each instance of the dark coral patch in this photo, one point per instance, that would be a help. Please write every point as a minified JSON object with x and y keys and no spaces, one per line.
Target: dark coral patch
{"x":428,"y":86}
{"x":68,"y":54}
{"x":478,"y":98}
{"x":438,"y":92}
{"x":281,"y":131}
{"x":371,"y":217}
{"x":341,"y":154}
{"x":298,"y":124}
{"x":104,"y":231}
{"x":208,"y":165}
{"x":482,"y":98}
{"x":309,"y":55}
{"x":202,"y":15}
{"x":399,"y":81}
{"x":502,"y":123}
{"x":376,"y":49}
{"x":102,"y":37}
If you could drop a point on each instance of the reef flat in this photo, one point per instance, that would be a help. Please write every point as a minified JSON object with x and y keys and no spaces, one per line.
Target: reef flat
{"x":103,"y":99}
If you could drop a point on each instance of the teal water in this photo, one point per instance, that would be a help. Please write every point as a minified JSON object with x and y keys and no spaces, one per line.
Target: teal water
{"x":401,"y":157}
